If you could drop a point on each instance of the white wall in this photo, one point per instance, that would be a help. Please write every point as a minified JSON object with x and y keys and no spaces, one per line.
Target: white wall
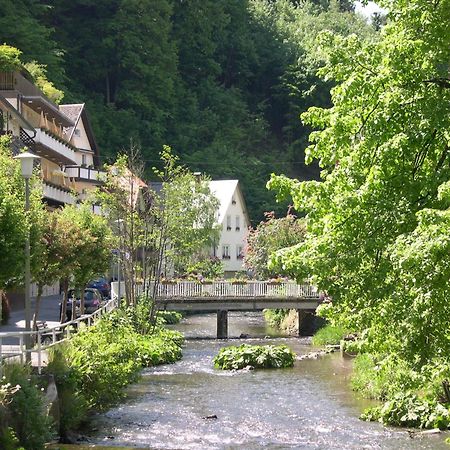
{"x":233,"y":237}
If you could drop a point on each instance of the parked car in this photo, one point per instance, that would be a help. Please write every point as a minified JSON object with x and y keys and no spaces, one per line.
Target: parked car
{"x":93,"y":299}
{"x":102,"y":284}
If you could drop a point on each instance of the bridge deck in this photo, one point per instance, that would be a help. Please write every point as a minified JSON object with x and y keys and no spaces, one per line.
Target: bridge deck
{"x":225,"y":295}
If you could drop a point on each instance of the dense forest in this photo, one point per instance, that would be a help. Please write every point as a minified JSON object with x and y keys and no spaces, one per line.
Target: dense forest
{"x":222,"y":82}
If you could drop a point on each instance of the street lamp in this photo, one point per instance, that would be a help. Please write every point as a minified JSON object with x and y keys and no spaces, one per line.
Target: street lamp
{"x":119,"y":293}
{"x":26,"y":160}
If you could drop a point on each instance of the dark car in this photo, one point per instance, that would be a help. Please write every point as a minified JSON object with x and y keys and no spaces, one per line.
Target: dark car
{"x":93,"y":299}
{"x":102,"y":285}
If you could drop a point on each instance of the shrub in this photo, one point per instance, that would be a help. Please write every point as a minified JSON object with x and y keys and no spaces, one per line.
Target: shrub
{"x":274,"y":317}
{"x":26,"y":416}
{"x":409,"y":410}
{"x":168,"y":317}
{"x":256,"y":356}
{"x":211,"y":268}
{"x":329,"y":335}
{"x":105,"y":358}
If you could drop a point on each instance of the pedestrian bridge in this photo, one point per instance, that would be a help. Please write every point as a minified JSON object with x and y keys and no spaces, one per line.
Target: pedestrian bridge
{"x":224,"y":296}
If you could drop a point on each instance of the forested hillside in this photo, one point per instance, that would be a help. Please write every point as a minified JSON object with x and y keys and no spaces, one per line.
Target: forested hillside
{"x":221,"y":81}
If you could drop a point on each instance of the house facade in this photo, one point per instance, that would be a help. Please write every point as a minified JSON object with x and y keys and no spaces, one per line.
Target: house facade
{"x":60,"y":134}
{"x":233,"y":219}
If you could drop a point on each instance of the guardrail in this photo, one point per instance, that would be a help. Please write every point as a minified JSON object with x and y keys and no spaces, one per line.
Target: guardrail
{"x":46,"y":337}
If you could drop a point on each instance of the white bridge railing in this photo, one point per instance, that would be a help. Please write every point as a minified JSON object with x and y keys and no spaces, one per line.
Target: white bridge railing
{"x":228,"y":289}
{"x":13,"y":343}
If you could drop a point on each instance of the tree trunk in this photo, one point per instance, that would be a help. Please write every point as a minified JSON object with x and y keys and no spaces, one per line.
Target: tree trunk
{"x":37,"y":306}
{"x":82,"y":292}
{"x":65,"y":285}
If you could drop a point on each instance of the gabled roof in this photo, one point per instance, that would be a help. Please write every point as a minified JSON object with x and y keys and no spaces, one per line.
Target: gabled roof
{"x":76,"y":112}
{"x":73,"y":112}
{"x":224,"y":190}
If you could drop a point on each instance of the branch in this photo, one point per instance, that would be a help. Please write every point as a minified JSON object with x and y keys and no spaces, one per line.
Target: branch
{"x":442,"y":82}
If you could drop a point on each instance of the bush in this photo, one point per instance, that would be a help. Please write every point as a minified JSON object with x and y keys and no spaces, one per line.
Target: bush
{"x":256,"y":356}
{"x":168,"y":317}
{"x":105,"y":358}
{"x":382,"y":377}
{"x":211,"y":268}
{"x":329,"y":335}
{"x":274,"y":317}
{"x":23,"y":410}
{"x":409,"y":410}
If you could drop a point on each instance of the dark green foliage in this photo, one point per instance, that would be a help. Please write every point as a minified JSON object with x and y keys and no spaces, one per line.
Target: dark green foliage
{"x":222,"y":82}
{"x":23,"y":411}
{"x":256,"y":356}
{"x":168,"y":317}
{"x":210,"y":268}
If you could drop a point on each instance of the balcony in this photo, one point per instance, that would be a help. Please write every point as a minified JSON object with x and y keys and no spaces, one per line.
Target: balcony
{"x":53,"y":147}
{"x":56,"y":195}
{"x":80,"y":173}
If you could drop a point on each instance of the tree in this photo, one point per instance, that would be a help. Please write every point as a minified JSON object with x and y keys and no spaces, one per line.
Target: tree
{"x":92,"y":247}
{"x":269,"y":236}
{"x":14,"y":223}
{"x":188,"y":213}
{"x":22,"y":25}
{"x":384,"y":152}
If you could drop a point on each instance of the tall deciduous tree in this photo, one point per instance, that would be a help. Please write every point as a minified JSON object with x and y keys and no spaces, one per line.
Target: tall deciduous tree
{"x":268,"y":237}
{"x":384,"y":152}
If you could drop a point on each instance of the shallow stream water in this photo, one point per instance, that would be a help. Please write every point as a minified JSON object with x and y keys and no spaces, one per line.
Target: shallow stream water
{"x":308,"y":407}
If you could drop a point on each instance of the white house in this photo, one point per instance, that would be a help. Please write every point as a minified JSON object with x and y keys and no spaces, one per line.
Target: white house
{"x":234,"y":220}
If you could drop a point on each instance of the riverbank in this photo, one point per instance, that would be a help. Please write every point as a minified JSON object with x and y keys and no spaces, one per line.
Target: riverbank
{"x":190,"y":404}
{"x":86,"y":374}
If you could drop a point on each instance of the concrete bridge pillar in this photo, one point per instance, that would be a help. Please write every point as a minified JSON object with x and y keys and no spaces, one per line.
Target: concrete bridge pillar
{"x":306,"y":322}
{"x":222,"y":324}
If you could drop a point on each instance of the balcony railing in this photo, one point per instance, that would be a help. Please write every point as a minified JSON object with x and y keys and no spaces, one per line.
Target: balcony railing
{"x":60,"y":149}
{"x":85,"y":174}
{"x":57,"y":194}
{"x":58,"y":178}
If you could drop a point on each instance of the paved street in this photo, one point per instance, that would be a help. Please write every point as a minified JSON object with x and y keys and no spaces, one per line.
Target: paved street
{"x":49,"y":312}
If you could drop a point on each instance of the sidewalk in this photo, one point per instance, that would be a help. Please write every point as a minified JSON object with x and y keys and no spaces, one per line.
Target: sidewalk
{"x":48,"y":312}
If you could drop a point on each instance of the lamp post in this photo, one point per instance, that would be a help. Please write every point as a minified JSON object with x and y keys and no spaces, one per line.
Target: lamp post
{"x":26,"y":160}
{"x":119,"y":260}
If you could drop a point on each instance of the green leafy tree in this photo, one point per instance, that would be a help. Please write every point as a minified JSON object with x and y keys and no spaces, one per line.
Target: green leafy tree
{"x":376,"y":228}
{"x":269,"y":236}
{"x":23,"y":25}
{"x":14,"y":223}
{"x":93,"y":247}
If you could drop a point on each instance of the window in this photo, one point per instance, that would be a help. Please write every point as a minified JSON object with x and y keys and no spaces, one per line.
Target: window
{"x":228,"y":223}
{"x":77,"y":132}
{"x":83,"y":160}
{"x":233,"y":201}
{"x":238,"y":223}
{"x":225,"y":251}
{"x":239,"y":252}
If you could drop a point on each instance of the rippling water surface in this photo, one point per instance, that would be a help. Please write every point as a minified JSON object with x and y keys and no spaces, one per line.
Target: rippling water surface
{"x":307,"y":407}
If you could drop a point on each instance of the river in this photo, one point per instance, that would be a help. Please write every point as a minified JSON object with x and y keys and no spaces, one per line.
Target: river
{"x":308,"y":407}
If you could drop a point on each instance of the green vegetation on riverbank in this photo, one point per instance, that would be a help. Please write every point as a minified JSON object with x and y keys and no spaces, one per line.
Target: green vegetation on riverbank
{"x":90,"y":371}
{"x":93,"y":368}
{"x":329,"y":335}
{"x":255,"y":356}
{"x":24,"y":423}
{"x":378,"y":225}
